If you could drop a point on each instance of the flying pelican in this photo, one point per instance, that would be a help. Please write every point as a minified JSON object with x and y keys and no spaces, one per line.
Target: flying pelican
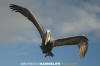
{"x":47,"y":43}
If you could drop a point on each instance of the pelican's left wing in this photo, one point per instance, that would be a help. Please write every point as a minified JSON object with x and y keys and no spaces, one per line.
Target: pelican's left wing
{"x":30,"y":16}
{"x":81,"y":41}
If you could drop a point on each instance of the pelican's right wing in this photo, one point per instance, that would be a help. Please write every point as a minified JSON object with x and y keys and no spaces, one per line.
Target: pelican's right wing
{"x":81,"y":41}
{"x":30,"y":16}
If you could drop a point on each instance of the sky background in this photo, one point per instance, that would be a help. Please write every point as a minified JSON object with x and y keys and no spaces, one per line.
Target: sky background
{"x":20,"y":40}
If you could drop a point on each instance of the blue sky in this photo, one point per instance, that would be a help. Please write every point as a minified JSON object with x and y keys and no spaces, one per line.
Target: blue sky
{"x":20,"y":41}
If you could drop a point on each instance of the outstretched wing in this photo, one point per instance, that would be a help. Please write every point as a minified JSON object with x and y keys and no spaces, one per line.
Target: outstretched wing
{"x":30,"y":16}
{"x":81,"y":41}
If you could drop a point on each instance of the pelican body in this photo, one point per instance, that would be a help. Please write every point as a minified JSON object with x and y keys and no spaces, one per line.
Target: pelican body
{"x":47,"y":43}
{"x":46,"y":47}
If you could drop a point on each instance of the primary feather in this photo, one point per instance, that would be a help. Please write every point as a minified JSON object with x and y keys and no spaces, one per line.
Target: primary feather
{"x":81,"y":41}
{"x":30,"y":16}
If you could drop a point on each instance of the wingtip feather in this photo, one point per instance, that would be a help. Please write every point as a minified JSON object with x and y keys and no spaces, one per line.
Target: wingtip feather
{"x":83,"y":50}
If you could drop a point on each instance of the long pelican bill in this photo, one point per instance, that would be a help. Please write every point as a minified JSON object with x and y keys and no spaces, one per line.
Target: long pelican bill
{"x":47,"y":37}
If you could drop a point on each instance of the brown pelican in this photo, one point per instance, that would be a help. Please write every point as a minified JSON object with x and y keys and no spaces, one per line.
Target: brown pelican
{"x":47,"y":43}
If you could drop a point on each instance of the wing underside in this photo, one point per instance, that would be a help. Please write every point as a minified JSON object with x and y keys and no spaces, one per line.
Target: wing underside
{"x":30,"y":16}
{"x":80,"y":41}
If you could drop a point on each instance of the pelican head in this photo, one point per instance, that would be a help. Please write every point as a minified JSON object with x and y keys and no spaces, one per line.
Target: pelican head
{"x":47,"y":39}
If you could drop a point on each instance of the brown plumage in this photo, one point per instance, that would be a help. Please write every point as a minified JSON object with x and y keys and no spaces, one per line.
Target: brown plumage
{"x":83,"y":46}
{"x":80,"y":41}
{"x":47,"y":43}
